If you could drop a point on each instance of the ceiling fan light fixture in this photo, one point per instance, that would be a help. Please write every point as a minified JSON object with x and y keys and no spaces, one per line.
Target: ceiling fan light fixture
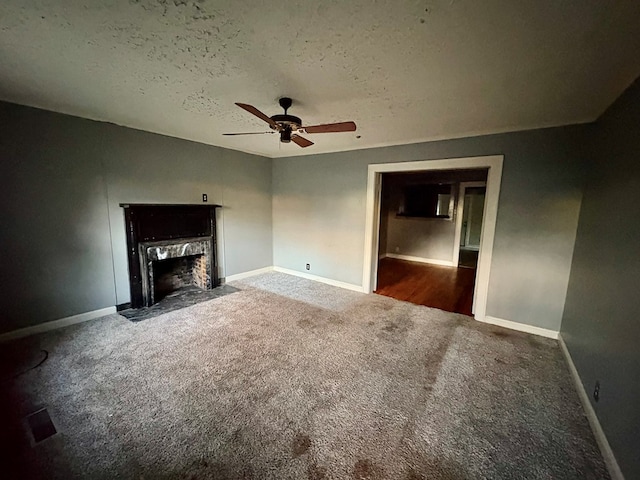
{"x":285,"y":135}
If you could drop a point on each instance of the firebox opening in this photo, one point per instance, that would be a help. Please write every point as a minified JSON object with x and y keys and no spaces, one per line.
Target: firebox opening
{"x":173,"y":274}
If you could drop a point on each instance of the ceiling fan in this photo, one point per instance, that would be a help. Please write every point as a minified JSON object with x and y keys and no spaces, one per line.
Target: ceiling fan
{"x":290,"y":127}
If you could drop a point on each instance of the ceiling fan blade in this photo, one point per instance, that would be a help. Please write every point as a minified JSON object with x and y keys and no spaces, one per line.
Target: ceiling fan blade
{"x":301,"y":141}
{"x":258,"y":113}
{"x":331,"y":128}
{"x":248,"y":133}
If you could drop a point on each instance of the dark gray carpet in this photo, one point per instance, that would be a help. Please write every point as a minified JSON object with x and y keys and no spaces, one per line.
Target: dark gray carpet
{"x":180,"y":298}
{"x":291,"y":379}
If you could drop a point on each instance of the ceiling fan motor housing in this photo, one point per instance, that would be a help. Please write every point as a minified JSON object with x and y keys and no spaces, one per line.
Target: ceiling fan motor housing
{"x":288,"y":123}
{"x":288,"y":120}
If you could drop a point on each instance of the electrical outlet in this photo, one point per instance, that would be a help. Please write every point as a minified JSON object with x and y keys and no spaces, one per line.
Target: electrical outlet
{"x":397,"y":249}
{"x":308,"y":267}
{"x":204,"y":198}
{"x":596,"y":391}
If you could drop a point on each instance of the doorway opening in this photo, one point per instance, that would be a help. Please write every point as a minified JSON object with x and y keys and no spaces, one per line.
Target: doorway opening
{"x":435,"y":208}
{"x":470,"y":213}
{"x":429,"y":237}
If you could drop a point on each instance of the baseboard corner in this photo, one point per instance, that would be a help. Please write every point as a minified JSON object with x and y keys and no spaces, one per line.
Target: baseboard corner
{"x":520,"y":327}
{"x":603,"y":443}
{"x":317,"y":278}
{"x":411,"y":258}
{"x":250,"y":273}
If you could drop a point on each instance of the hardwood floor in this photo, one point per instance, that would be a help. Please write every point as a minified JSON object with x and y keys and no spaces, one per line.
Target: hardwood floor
{"x":446,"y":288}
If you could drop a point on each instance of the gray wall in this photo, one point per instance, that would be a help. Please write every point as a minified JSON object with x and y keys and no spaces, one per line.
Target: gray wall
{"x":56,"y":252}
{"x":319,"y":215}
{"x":142,"y":167}
{"x":600,"y":324}
{"x":428,"y":238}
{"x":62,"y":234}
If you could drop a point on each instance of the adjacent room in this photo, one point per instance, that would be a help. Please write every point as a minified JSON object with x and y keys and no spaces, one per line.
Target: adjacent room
{"x":359,"y":240}
{"x":429,"y":237}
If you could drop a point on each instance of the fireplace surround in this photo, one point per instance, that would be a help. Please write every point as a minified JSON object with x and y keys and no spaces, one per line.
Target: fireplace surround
{"x":154,"y":253}
{"x":157,"y":234}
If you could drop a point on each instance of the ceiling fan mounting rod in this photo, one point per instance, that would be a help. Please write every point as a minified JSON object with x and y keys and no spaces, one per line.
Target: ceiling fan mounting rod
{"x":286,"y":121}
{"x":285,"y":102}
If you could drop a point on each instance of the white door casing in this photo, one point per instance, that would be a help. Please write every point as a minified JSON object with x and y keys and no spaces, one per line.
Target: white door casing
{"x":459,"y":217}
{"x":372,"y":211}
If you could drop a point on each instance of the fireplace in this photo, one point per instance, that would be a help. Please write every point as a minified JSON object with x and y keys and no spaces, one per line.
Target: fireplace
{"x":169,"y":247}
{"x":168,"y":265}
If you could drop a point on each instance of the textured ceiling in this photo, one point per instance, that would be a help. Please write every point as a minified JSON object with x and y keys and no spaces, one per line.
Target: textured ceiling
{"x":404,"y":71}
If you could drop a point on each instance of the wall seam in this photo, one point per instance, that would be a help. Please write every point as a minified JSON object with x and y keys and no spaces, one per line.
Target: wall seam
{"x":107,"y":198}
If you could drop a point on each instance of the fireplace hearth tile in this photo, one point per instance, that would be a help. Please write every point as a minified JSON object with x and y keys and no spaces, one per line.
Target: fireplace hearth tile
{"x":181,"y":298}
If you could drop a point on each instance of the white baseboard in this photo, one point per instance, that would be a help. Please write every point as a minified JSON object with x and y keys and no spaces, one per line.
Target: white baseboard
{"x":433,"y":261}
{"x":328,"y":281}
{"x":55,"y":324}
{"x":601,"y":438}
{"x":521,"y":327}
{"x":251,"y":273}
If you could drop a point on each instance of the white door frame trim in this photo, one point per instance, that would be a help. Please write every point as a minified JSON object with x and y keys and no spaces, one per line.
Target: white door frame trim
{"x":372,"y":230}
{"x":459,"y":219}
{"x":458,"y":232}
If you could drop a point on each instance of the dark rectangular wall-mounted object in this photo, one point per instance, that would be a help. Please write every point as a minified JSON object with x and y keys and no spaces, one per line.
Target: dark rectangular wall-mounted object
{"x":152,"y":222}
